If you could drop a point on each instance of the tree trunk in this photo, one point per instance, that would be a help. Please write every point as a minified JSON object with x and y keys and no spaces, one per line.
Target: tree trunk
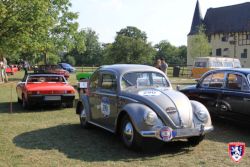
{"x":45,"y":58}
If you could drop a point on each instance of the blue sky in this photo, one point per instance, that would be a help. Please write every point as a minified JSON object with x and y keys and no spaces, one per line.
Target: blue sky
{"x":160,"y":19}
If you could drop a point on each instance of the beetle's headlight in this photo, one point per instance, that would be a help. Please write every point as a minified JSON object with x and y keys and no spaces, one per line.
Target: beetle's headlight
{"x":201,"y":113}
{"x":150,"y":118}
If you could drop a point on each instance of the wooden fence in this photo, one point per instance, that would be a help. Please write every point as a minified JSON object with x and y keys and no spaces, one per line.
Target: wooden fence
{"x":183,"y":70}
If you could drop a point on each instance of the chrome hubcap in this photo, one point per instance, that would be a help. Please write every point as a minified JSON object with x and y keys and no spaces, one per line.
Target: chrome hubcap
{"x":128,"y":132}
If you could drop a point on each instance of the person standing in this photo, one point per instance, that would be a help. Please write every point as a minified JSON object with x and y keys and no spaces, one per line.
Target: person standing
{"x":3,"y":68}
{"x":158,"y":65}
{"x":164,"y":66}
{"x":26,"y":65}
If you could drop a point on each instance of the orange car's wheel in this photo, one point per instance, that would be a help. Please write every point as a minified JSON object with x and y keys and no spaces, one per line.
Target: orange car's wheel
{"x":25,"y":104}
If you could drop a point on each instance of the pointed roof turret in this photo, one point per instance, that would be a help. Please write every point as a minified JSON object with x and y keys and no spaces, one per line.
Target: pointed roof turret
{"x":197,"y":20}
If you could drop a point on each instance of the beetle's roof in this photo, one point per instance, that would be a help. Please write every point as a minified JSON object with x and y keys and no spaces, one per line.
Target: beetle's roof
{"x":125,"y":68}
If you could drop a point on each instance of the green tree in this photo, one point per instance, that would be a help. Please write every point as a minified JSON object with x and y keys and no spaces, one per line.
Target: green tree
{"x":132,"y":32}
{"x":199,"y":44}
{"x":130,"y":50}
{"x":94,"y":51}
{"x":70,"y":60}
{"x":43,"y":26}
{"x":167,"y":51}
{"x":182,"y":58}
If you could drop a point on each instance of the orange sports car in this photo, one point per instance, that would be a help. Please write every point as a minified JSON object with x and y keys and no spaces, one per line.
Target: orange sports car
{"x":45,"y":89}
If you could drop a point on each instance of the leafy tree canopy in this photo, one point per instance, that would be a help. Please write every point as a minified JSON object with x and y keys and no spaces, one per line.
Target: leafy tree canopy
{"x":199,"y":44}
{"x":132,"y":32}
{"x":38,"y":26}
{"x":130,"y":50}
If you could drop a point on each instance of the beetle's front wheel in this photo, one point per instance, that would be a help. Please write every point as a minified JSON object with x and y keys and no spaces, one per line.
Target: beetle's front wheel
{"x":128,"y":133}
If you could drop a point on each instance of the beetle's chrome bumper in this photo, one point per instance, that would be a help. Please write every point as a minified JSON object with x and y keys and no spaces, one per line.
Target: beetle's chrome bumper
{"x":202,"y":130}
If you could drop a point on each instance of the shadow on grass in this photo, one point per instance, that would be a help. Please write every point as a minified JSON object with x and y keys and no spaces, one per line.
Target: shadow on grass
{"x":226,"y":131}
{"x":18,"y":108}
{"x":91,"y":145}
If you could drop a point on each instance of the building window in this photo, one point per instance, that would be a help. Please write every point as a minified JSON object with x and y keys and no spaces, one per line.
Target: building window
{"x":225,"y":38}
{"x":218,"y":52}
{"x":209,"y":38}
{"x":244,"y":55}
{"x":248,"y":36}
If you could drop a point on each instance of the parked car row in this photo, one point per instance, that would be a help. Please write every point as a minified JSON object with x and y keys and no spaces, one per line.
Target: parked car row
{"x":138,"y":102}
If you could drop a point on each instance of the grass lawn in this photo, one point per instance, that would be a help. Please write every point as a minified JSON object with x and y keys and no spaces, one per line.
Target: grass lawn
{"x":52,"y":136}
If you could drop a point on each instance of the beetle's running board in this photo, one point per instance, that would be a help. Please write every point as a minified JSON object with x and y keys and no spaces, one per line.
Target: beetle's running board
{"x":106,"y":127}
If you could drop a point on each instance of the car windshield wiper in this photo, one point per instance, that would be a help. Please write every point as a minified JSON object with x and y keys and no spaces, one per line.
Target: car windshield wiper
{"x":128,"y":82}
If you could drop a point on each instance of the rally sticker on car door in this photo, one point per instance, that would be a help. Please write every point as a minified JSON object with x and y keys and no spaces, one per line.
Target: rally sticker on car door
{"x":105,"y":107}
{"x":149,"y":93}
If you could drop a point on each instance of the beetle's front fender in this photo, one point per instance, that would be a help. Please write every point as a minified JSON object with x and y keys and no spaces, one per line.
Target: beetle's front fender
{"x":136,"y":113}
{"x":197,"y":122}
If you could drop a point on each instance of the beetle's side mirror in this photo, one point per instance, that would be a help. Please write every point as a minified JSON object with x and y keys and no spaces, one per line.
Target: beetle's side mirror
{"x":178,"y":87}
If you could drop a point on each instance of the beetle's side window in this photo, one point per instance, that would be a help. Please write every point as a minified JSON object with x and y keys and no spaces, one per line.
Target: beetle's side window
{"x":108,"y":81}
{"x":206,"y":80}
{"x":93,"y":84}
{"x":236,"y":81}
{"x":217,"y":80}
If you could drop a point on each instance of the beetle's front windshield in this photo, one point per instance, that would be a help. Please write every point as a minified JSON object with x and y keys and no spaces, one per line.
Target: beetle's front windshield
{"x":144,"y":79}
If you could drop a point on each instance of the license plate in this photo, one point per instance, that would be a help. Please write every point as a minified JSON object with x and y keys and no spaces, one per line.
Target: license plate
{"x":47,"y":98}
{"x":186,"y":132}
{"x":83,"y":84}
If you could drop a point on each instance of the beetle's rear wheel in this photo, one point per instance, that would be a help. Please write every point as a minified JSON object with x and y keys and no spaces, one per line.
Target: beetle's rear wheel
{"x":83,"y":118}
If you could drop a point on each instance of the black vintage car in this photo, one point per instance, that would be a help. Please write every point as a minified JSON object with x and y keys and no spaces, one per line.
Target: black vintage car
{"x":225,"y":92}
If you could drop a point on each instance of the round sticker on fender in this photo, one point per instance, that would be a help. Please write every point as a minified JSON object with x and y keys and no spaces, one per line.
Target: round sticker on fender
{"x":105,"y":107}
{"x":164,"y":133}
{"x":149,"y":93}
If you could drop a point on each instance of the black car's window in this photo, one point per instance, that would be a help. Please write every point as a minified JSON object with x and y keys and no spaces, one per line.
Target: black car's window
{"x":236,"y":81}
{"x":144,"y":79}
{"x":206,"y":80}
{"x":93,"y":84}
{"x":217,"y":80}
{"x":108,"y":82}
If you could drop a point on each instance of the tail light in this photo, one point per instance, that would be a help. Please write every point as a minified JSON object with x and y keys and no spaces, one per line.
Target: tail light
{"x":69,"y":91}
{"x":87,"y":91}
{"x":33,"y":92}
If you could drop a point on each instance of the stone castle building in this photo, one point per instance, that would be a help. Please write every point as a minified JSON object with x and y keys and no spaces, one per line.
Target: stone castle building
{"x":227,"y":29}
